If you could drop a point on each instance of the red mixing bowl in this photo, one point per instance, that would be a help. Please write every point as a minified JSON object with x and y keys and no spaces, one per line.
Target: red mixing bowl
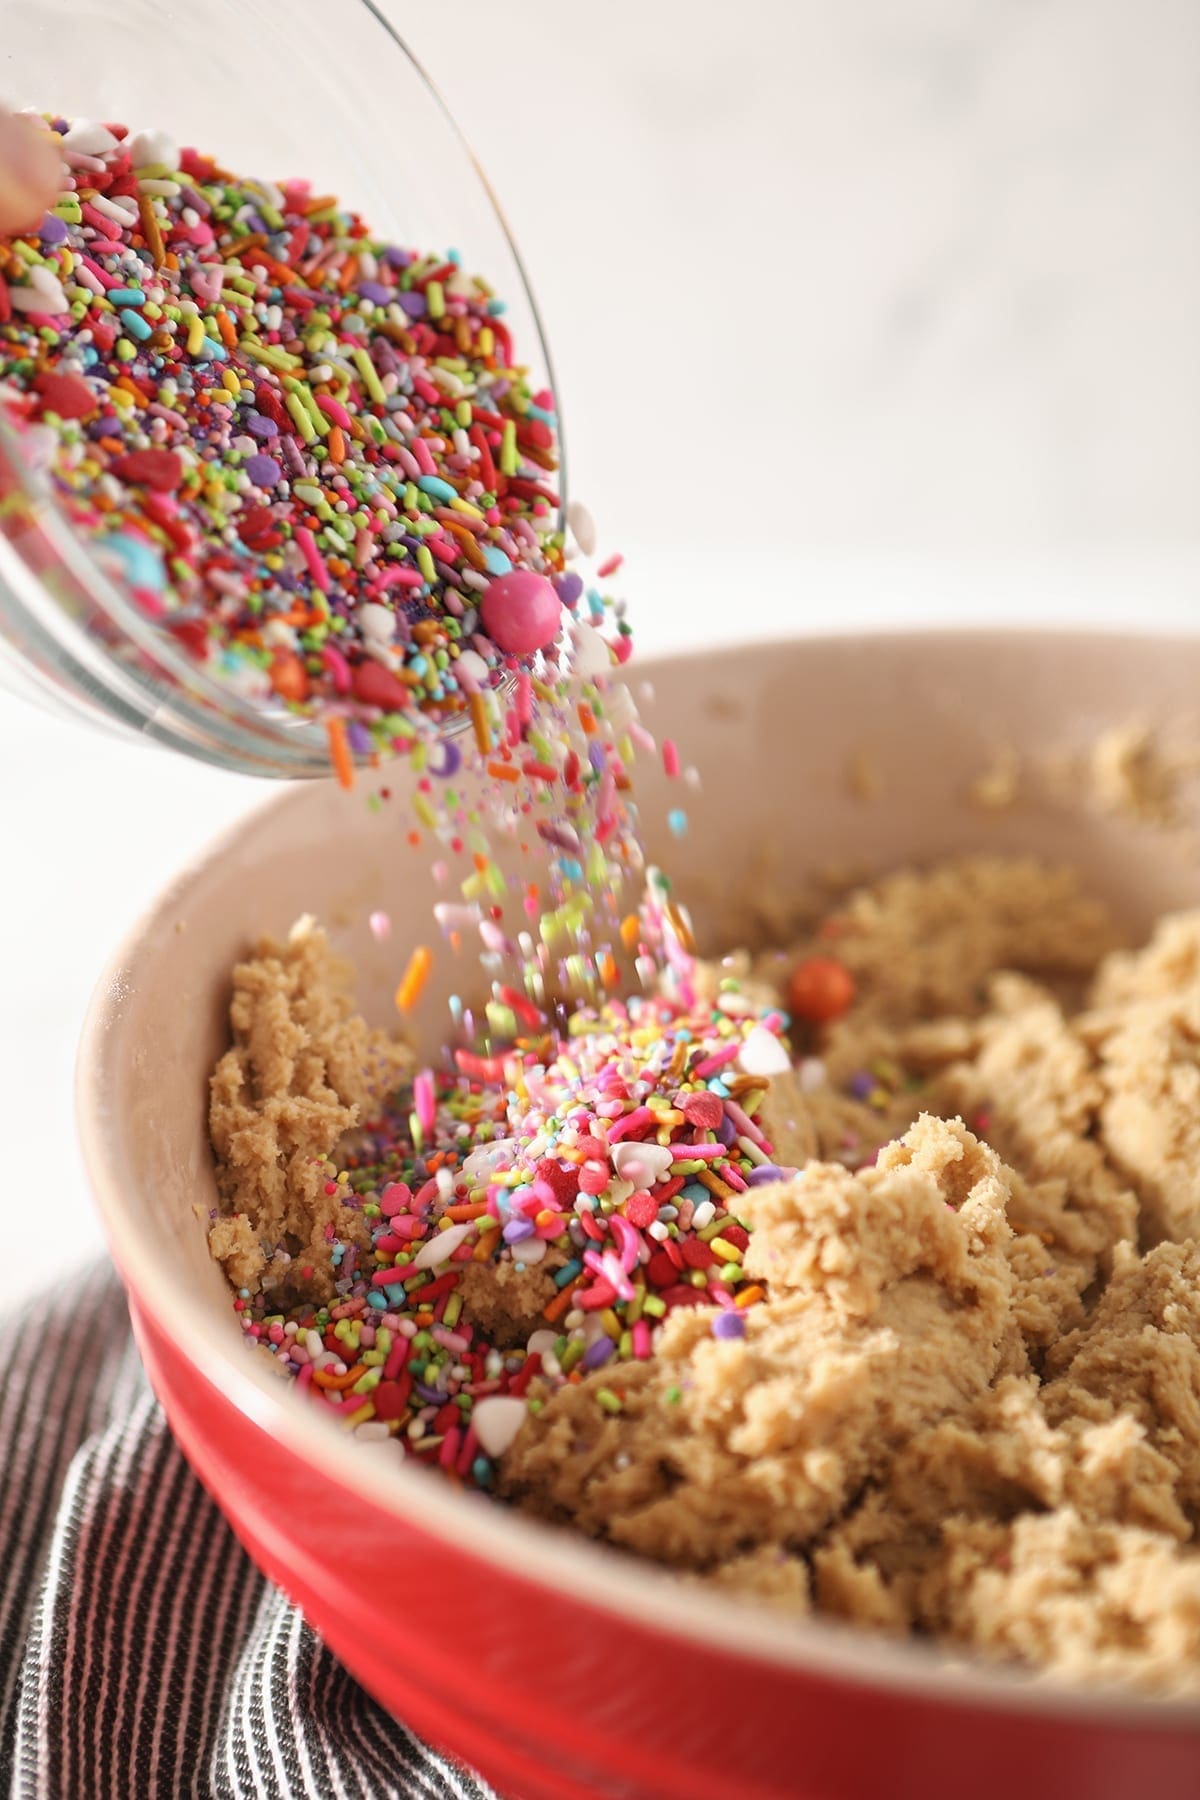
{"x":563,"y":1671}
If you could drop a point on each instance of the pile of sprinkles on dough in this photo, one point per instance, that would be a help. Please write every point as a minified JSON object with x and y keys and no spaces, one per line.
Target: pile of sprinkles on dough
{"x":312,"y":456}
{"x":595,"y":1188}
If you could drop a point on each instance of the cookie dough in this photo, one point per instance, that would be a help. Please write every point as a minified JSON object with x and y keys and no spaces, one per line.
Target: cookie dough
{"x":301,"y":1069}
{"x":967,"y":1406}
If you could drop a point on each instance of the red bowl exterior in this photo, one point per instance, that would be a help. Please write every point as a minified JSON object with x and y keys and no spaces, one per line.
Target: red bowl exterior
{"x":567,"y":1702}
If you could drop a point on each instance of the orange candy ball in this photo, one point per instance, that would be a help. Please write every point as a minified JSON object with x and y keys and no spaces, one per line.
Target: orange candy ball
{"x":289,"y":677}
{"x":820,"y":989}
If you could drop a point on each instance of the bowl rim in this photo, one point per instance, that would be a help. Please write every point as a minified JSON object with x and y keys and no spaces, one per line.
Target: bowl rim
{"x":610,"y":1580}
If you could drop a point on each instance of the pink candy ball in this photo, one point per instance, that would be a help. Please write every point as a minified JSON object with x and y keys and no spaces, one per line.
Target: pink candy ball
{"x":521,"y":612}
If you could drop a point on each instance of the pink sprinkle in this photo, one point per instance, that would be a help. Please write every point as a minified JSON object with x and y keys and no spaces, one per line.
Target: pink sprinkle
{"x":609,"y":566}
{"x":742,"y":1122}
{"x":312,"y":556}
{"x":421,"y":451}
{"x":427,"y":392}
{"x":102,"y":275}
{"x":397,"y":1357}
{"x":394,"y":1198}
{"x":628,"y":1240}
{"x":208,"y":284}
{"x":717,"y":1060}
{"x":640,"y":1336}
{"x":339,"y":674}
{"x":381,"y":926}
{"x":616,"y":1275}
{"x":670,"y":756}
{"x":633,"y":1122}
{"x":424,"y":1102}
{"x":395,"y":575}
{"x":333,"y":409}
{"x":593,"y":1179}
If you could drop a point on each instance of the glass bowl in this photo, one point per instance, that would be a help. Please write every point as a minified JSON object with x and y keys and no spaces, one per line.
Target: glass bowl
{"x":306,"y":89}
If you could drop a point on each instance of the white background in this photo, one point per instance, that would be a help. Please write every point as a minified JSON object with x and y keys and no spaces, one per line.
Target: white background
{"x":881,"y":311}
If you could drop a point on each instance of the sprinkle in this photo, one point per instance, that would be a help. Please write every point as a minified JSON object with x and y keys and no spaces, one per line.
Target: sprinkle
{"x":412,"y":982}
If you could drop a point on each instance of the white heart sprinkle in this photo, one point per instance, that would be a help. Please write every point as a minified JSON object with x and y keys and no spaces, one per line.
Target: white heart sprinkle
{"x":763,"y":1054}
{"x":590,"y":655}
{"x":149,"y":147}
{"x":87,"y":137}
{"x":583,"y":527}
{"x":44,"y":294}
{"x":642,"y":1162}
{"x":441,"y":1246}
{"x":378,"y":622}
{"x":497,"y":1418}
{"x":372,"y":1431}
{"x":472,"y":665}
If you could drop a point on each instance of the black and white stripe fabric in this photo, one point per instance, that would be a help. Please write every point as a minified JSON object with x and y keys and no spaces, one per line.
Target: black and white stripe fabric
{"x":141,"y":1653}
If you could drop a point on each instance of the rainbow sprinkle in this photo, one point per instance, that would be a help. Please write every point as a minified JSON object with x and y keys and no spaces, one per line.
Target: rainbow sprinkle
{"x":602,"y":1172}
{"x":306,"y":453}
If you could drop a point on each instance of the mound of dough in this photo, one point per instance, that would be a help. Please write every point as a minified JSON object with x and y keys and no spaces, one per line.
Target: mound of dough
{"x":968,"y":1407}
{"x":302,"y":1069}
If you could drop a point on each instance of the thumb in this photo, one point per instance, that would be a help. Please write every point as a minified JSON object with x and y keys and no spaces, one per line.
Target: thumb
{"x":29,"y":172}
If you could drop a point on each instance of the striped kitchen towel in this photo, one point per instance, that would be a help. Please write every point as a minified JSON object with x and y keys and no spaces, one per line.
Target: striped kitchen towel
{"x":141,"y":1652}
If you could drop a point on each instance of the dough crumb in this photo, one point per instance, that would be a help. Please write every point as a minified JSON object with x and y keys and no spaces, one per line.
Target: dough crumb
{"x":997,"y":787}
{"x":1136,"y":777}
